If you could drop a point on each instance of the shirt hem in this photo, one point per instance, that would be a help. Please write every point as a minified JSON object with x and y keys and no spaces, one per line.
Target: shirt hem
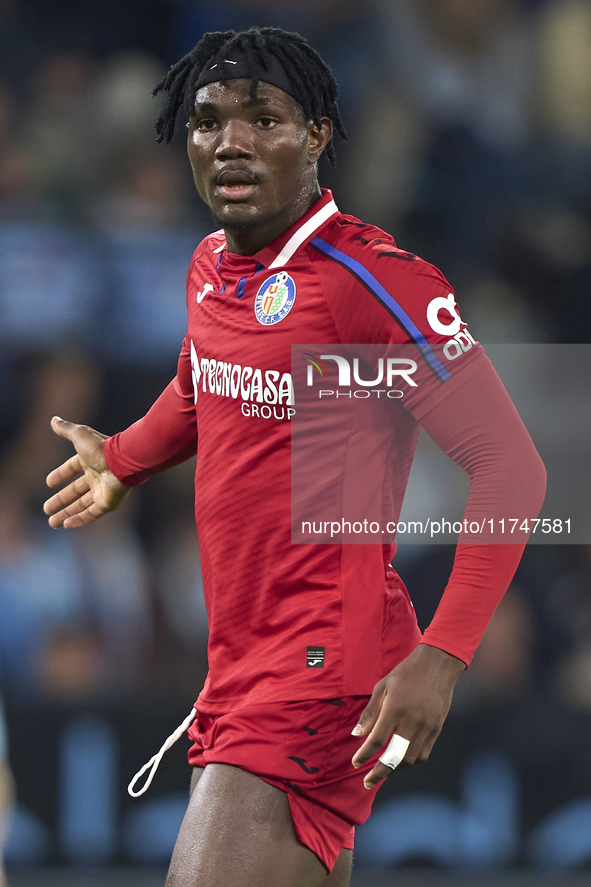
{"x":211,"y":706}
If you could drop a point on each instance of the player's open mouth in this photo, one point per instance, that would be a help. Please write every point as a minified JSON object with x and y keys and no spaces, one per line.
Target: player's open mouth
{"x":234,"y":191}
{"x":235,"y":184}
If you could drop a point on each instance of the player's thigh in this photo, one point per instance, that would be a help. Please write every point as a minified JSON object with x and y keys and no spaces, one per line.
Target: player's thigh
{"x":341,"y":873}
{"x":238,"y":830}
{"x":195,"y":777}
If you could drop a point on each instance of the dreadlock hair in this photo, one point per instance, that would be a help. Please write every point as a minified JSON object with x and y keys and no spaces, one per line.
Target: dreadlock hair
{"x":312,"y":78}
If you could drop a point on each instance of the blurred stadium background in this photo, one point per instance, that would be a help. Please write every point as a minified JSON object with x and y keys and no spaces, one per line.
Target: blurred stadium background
{"x":470,"y":140}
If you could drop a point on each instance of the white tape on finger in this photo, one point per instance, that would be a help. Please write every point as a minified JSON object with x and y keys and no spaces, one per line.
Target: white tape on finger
{"x":394,"y":754}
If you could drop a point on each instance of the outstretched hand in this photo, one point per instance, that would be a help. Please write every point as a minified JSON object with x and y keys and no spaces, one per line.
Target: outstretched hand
{"x":413,"y":701}
{"x":92,"y":490}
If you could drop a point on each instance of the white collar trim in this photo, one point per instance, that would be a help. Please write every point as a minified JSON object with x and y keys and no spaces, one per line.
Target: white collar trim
{"x":303,"y":233}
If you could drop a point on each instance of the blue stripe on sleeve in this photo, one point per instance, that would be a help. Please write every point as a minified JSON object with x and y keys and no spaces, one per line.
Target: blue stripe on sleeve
{"x":382,"y":294}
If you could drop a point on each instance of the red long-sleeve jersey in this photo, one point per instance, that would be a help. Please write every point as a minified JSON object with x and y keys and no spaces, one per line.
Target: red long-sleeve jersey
{"x":328,"y":279}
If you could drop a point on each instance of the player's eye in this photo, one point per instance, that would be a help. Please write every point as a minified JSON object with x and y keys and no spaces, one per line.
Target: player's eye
{"x":267,"y":122}
{"x":205,"y":125}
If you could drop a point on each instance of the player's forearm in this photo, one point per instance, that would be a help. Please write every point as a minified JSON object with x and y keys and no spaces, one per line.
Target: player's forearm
{"x":508,"y":480}
{"x":164,"y":437}
{"x":483,"y":572}
{"x":479,"y":579}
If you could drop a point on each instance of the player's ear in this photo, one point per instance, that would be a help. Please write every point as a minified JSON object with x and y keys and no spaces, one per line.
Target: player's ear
{"x":318,"y":138}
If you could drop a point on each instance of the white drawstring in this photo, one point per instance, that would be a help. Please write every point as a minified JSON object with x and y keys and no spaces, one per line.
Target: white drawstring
{"x":154,"y":761}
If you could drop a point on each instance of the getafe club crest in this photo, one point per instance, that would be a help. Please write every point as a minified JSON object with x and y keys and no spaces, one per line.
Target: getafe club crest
{"x":275,"y":298}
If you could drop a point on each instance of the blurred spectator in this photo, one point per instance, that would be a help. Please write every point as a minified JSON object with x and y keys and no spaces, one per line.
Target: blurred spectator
{"x":148,"y":233}
{"x":48,"y":302}
{"x":6,"y":111}
{"x":466,"y":67}
{"x":6,"y":791}
{"x":467,"y":63}
{"x":43,"y":381}
{"x":151,"y":194}
{"x":565,"y":85}
{"x":123,"y":95}
{"x":546,"y":246}
{"x":498,"y":312}
{"x":19,"y":193}
{"x":503,"y":666}
{"x":149,"y":230}
{"x":567,"y":605}
{"x":573,"y":678}
{"x":182,"y":661}
{"x":18,"y":44}
{"x":61,"y":129}
{"x":66,"y":606}
{"x":97,"y":28}
{"x":74,"y":616}
{"x":49,"y":296}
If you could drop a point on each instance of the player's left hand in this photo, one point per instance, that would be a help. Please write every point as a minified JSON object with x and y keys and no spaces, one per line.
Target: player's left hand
{"x":413,"y":701}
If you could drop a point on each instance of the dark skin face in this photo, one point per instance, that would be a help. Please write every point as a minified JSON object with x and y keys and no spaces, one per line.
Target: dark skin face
{"x":254,"y":161}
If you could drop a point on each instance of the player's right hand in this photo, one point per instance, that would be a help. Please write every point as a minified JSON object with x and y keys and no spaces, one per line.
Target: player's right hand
{"x":92,"y":489}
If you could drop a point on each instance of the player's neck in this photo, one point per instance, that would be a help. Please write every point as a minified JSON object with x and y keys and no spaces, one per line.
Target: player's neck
{"x":246,"y":240}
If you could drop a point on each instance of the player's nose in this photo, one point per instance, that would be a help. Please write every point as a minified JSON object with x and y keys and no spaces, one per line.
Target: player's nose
{"x":236,"y":140}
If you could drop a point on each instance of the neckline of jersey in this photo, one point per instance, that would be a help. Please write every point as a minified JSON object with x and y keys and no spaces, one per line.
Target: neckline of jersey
{"x":277,"y":253}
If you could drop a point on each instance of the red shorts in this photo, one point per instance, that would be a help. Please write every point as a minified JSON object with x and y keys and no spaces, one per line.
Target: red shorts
{"x":304,"y":749}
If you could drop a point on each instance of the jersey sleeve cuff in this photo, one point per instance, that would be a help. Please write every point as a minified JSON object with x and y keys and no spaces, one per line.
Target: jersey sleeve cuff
{"x":120,"y":467}
{"x":432,"y":639}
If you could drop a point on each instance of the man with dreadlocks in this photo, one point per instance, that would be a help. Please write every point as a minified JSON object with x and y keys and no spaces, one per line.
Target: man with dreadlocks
{"x":320,"y":683}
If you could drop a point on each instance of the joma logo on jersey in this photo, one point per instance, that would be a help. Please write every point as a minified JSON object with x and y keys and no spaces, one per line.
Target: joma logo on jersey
{"x":275,"y":299}
{"x":267,"y":394}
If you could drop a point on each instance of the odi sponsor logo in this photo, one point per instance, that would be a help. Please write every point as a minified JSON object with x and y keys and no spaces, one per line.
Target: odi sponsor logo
{"x":445,"y":309}
{"x":388,"y":372}
{"x":266,"y":394}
